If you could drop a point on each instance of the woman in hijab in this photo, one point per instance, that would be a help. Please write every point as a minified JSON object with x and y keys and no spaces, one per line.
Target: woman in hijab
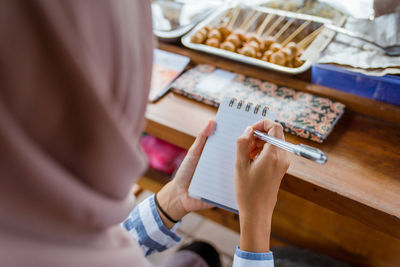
{"x":74,"y":79}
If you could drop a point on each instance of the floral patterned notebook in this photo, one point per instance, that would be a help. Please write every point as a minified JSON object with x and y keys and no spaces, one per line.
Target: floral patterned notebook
{"x":303,"y":114}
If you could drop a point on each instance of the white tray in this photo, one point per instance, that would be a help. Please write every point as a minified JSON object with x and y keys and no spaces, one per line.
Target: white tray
{"x":241,"y":58}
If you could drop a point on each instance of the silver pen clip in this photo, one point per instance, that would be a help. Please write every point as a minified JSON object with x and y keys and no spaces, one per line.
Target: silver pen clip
{"x":304,"y":151}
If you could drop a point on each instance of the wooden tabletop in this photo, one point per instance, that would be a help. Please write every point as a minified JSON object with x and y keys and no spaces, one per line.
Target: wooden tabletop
{"x":362,"y":176}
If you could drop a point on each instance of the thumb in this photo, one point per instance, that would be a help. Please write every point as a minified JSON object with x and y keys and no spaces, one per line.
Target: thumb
{"x":243,"y":148}
{"x":189,"y":163}
{"x":198,"y":145}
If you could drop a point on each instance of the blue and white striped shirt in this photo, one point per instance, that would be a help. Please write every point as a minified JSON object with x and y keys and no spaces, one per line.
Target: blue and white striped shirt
{"x":145,"y":225}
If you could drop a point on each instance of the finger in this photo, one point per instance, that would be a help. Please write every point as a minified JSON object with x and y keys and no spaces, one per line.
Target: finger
{"x":255,"y":152}
{"x":270,"y":152}
{"x":194,"y":153}
{"x":277,"y":131}
{"x":243,"y":147}
{"x":253,"y":144}
{"x":198,"y":144}
{"x":259,"y":143}
{"x":263,"y":125}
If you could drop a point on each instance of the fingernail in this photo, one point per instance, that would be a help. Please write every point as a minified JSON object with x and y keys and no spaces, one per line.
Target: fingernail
{"x":248,"y":130}
{"x":210,"y":128}
{"x":214,"y":127}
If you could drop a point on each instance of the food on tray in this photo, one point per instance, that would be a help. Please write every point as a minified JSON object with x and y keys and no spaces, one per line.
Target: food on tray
{"x":227,"y":45}
{"x":267,"y":37}
{"x":213,"y":42}
{"x":277,"y":58}
{"x":214,"y":33}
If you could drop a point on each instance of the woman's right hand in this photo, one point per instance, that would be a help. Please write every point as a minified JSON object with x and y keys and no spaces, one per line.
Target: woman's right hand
{"x":259,"y":170}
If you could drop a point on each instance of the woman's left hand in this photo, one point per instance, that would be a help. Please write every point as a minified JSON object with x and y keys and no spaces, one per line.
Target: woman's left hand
{"x":173,"y":197}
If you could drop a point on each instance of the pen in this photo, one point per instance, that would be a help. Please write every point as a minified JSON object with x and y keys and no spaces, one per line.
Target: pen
{"x":304,"y":151}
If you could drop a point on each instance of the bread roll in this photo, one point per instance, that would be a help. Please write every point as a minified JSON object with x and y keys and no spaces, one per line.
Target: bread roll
{"x":204,"y":31}
{"x":242,"y":35}
{"x":214,"y":33}
{"x":213,"y":42}
{"x":198,"y":38}
{"x":253,"y":37}
{"x":228,"y":46}
{"x":234,"y":39}
{"x":288,"y":54}
{"x":267,"y":55}
{"x":248,"y":51}
{"x":225,"y":31}
{"x":266,"y":43}
{"x":275,"y":47}
{"x":293,"y":47}
{"x":255,"y":45}
{"x":277,"y":58}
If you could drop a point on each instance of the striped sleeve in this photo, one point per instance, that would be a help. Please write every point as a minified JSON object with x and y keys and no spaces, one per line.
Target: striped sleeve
{"x":252,"y":259}
{"x":145,"y":225}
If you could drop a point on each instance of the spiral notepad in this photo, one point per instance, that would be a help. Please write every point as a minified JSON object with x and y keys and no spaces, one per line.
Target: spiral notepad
{"x":213,"y":179}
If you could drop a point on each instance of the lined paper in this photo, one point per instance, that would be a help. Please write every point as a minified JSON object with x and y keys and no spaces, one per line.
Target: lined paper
{"x":213,"y":180}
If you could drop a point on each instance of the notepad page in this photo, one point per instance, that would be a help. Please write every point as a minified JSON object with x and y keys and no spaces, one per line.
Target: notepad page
{"x":213,"y":180}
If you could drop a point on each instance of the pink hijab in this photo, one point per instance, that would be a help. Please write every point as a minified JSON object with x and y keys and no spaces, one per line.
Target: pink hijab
{"x":74,"y":79}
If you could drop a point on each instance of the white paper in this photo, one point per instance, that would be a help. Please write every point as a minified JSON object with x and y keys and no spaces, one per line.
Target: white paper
{"x":213,"y":179}
{"x":216,"y":81}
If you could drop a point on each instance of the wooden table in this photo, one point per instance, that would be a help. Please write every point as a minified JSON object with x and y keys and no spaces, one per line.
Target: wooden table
{"x":361,"y":180}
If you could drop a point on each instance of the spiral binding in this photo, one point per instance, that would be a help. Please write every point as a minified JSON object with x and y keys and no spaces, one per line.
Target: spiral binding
{"x":248,"y":106}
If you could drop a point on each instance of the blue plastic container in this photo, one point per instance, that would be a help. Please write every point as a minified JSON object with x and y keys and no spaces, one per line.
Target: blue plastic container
{"x":385,"y":89}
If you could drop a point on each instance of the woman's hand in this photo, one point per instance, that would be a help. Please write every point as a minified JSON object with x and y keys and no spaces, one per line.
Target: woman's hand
{"x":259,"y":170}
{"x":173,"y":197}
